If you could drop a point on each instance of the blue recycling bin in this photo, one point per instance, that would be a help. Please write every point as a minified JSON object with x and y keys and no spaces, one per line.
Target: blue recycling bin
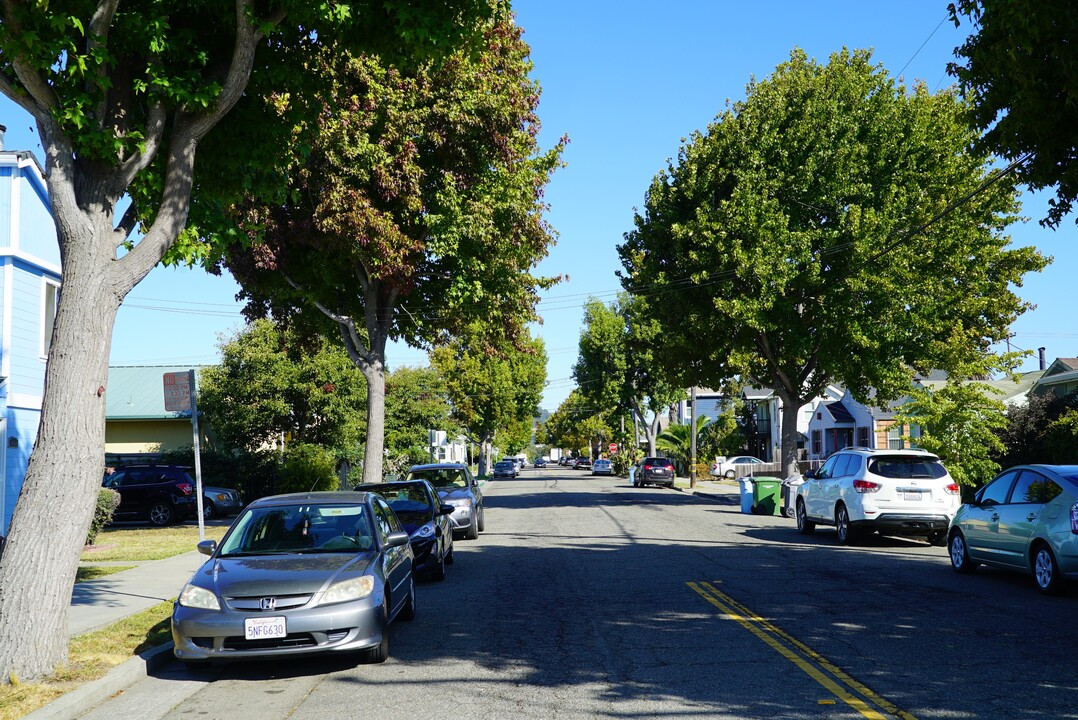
{"x":746,"y":495}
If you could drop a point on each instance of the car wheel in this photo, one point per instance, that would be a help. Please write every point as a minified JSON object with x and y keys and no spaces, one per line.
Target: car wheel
{"x":161,"y":514}
{"x":846,"y":534}
{"x":208,"y":510}
{"x":380,"y":652}
{"x":438,"y":573}
{"x":449,"y":555}
{"x":729,"y":474}
{"x":1046,"y":571}
{"x":407,"y":613}
{"x":472,"y":533}
{"x":482,"y":519}
{"x":937,"y":539}
{"x":804,"y":525}
{"x":959,"y":553}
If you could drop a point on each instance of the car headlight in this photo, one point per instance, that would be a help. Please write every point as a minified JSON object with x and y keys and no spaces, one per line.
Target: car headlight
{"x":424,"y":532}
{"x":195,"y":597}
{"x":354,"y":589}
{"x":465,"y":503}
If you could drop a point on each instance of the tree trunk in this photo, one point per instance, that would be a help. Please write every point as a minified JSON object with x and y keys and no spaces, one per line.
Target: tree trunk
{"x":790,"y":408}
{"x":484,"y":455}
{"x":59,"y":495}
{"x":374,"y":450}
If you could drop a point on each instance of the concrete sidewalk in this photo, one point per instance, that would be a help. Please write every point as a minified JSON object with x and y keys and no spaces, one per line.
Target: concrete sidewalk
{"x":98,"y":603}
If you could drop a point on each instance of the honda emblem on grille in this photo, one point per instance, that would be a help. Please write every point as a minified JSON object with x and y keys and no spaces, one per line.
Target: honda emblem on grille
{"x":267,"y":603}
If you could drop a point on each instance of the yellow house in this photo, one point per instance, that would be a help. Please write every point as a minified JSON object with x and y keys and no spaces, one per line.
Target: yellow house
{"x":137,"y":426}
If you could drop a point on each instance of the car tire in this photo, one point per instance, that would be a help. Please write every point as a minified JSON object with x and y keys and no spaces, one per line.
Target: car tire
{"x":438,"y":573}
{"x":937,"y":539}
{"x":482,"y":521}
{"x":472,"y":533}
{"x":161,"y":514}
{"x":449,"y":558}
{"x":407,"y":613}
{"x":959,"y":552}
{"x":729,"y":474}
{"x":1046,"y":571}
{"x":380,"y":652}
{"x":846,"y":534}
{"x":804,"y":525}
{"x":209,"y":512}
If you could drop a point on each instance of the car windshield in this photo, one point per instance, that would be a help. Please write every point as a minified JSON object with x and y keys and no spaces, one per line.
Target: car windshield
{"x":441,"y":478}
{"x":409,"y":501}
{"x":300,"y":528}
{"x":897,"y":466}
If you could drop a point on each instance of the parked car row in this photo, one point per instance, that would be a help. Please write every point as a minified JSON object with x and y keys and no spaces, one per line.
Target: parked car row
{"x":325,"y":572}
{"x":1025,"y":519}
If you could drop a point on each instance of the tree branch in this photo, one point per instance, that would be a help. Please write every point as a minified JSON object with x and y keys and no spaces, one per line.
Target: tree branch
{"x":155,"y":128}
{"x":127,"y":224}
{"x":97,"y":37}
{"x":24,"y":101}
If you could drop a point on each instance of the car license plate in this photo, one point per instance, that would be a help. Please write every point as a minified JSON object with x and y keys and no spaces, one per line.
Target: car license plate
{"x":264,"y":628}
{"x":914,"y":496}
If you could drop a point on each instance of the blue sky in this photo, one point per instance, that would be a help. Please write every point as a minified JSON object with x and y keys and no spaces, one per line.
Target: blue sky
{"x":626,"y":81}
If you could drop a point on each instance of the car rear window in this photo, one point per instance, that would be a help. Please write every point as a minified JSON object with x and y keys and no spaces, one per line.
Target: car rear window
{"x":898,"y":466}
{"x":665,"y":462}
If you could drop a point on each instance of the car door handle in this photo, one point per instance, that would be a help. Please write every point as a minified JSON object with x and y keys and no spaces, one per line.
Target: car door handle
{"x":1031,"y":517}
{"x":995,"y":517}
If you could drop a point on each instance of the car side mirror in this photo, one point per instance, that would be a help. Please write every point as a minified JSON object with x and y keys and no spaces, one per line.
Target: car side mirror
{"x":207,"y":547}
{"x":446,"y":509}
{"x":396,"y":539}
{"x":810,"y":474}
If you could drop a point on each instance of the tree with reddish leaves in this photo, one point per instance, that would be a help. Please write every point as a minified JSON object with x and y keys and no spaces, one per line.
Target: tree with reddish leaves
{"x":417,"y":211}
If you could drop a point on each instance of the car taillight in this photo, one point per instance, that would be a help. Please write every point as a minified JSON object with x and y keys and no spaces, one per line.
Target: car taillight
{"x":1074,"y":518}
{"x":952,"y":489}
{"x":864,"y":486}
{"x":185,"y":488}
{"x":647,"y":467}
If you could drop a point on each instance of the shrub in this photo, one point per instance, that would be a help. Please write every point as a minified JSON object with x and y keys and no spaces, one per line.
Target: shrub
{"x":308,"y":468}
{"x":107,"y":502}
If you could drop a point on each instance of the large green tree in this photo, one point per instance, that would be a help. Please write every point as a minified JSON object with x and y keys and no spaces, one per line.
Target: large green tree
{"x":832,"y":226}
{"x":492,"y":390}
{"x":1020,"y":71}
{"x":578,"y":425}
{"x":617,"y":367}
{"x":417,"y":401}
{"x":123,"y":95}
{"x":273,"y":381}
{"x":417,"y":211}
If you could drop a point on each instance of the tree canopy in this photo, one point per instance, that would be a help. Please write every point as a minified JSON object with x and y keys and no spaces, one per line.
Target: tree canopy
{"x":416,"y":401}
{"x":834,"y":225}
{"x":417,"y":211}
{"x":273,"y":381}
{"x":1020,"y":70}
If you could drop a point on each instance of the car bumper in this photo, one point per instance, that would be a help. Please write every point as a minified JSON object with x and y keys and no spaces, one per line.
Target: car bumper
{"x":425,"y":554}
{"x":219,"y":635}
{"x":657,"y":479}
{"x":895,"y":524}
{"x":461,"y":519}
{"x":602,"y":472}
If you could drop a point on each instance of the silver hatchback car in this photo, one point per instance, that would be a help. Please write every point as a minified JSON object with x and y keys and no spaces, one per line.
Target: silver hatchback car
{"x":296,"y":575}
{"x":455,"y":486}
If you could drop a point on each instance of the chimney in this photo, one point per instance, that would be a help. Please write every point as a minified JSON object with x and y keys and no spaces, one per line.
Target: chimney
{"x":1040,"y":354}
{"x":3,"y":129}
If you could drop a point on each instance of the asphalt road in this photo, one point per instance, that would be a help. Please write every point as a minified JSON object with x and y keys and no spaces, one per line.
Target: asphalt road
{"x":586,"y":598}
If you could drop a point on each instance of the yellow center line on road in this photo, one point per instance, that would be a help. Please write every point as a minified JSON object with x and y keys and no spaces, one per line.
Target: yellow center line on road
{"x":773,"y":637}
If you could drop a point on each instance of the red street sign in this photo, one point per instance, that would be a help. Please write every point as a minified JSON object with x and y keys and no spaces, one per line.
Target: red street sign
{"x":613,"y":447}
{"x":177,"y":391}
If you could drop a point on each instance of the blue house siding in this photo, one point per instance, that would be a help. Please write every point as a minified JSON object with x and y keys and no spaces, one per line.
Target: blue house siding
{"x":29,"y":256}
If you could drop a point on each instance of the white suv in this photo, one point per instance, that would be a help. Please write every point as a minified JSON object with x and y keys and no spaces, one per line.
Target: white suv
{"x":895,"y":492}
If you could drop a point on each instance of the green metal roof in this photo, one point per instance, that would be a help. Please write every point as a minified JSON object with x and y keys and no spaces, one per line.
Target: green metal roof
{"x":136,"y":392}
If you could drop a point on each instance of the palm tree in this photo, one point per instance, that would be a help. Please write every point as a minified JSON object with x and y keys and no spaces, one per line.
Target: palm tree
{"x":676,"y":441}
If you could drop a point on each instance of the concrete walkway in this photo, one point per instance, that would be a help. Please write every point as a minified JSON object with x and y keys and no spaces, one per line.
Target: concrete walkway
{"x":98,"y":603}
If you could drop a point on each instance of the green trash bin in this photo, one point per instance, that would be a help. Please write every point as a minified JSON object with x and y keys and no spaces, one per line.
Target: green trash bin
{"x":766,"y":496}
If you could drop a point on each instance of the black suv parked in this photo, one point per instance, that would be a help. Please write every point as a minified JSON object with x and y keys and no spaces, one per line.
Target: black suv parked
{"x":654,"y":471}
{"x":162,"y":494}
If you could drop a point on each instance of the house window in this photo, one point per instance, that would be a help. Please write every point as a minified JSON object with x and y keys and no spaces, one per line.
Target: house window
{"x":862,"y":437}
{"x":915,"y":435}
{"x":894,"y":437}
{"x":817,"y":445}
{"x":50,"y":297}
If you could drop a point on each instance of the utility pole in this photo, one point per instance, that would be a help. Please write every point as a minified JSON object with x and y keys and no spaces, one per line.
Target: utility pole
{"x":692,"y":441}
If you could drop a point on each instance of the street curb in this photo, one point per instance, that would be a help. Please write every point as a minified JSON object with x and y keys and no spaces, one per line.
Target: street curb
{"x":86,"y":697}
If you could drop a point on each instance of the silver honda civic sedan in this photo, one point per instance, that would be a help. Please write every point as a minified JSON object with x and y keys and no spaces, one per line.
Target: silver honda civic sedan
{"x":297,"y":575}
